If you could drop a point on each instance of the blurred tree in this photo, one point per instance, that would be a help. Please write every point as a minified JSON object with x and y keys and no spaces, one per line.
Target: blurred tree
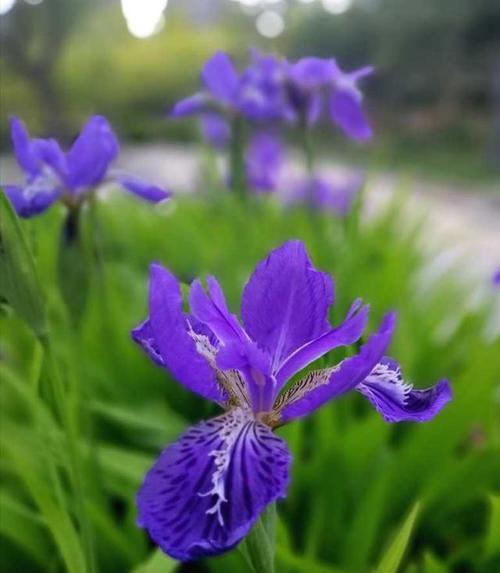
{"x":427,"y":53}
{"x":32,"y":39}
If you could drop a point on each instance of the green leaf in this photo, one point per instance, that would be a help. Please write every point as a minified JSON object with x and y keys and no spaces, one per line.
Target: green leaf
{"x":392,"y":559}
{"x":492,"y":542}
{"x":25,"y":528}
{"x":158,"y":562}
{"x":19,"y":283}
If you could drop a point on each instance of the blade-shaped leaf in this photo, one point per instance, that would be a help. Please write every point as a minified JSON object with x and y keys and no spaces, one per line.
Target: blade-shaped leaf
{"x":19,"y":283}
{"x":392,"y":559}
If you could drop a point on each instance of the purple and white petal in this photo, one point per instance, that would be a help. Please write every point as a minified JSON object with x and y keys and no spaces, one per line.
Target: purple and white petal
{"x":27,"y":202}
{"x":170,"y":334}
{"x":220,"y":78}
{"x":347,"y":112}
{"x":205,"y":492}
{"x":144,"y":190}
{"x":286,"y":301}
{"x":320,"y":386}
{"x":398,"y":401}
{"x":143,"y":335}
{"x":348,"y":332}
{"x":91,"y":153}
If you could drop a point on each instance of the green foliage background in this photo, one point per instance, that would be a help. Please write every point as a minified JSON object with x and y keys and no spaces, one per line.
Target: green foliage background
{"x":84,"y":412}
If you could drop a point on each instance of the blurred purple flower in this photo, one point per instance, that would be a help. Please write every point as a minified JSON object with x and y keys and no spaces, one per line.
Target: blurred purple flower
{"x":257,"y":94}
{"x":206,"y":490}
{"x":51,"y":174}
{"x":316,"y":83}
{"x":264,"y":162}
{"x":496,"y":278}
{"x":325,"y":195}
{"x":215,"y":130}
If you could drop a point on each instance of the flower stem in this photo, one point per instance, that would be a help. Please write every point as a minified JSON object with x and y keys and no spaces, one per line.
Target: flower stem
{"x":73,"y":274}
{"x":307,"y":148}
{"x":237,"y":174}
{"x":259,"y":546}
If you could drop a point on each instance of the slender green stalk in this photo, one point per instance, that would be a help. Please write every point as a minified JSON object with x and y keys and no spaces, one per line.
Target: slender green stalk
{"x":307,"y":148}
{"x":237,"y":173}
{"x":259,"y":546}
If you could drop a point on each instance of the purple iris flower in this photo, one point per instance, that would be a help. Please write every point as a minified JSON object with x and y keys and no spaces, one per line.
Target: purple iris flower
{"x":327,"y":195}
{"x":205,"y":491}
{"x":257,"y":94}
{"x":69,"y":177}
{"x":264,"y":162}
{"x":317,"y":83}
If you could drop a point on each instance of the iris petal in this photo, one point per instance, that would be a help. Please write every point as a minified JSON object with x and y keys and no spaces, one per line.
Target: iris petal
{"x":285,"y":303}
{"x":171,"y":337}
{"x":22,"y":147}
{"x":206,"y":490}
{"x":319,"y":387}
{"x":27,"y":204}
{"x":347,"y":112}
{"x":91,"y":153}
{"x":348,"y":332}
{"x":211,"y":309}
{"x":221,"y":78}
{"x":398,"y":401}
{"x":147,"y":191}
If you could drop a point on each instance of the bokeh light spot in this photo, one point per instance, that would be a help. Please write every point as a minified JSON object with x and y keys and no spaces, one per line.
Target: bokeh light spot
{"x":270,"y":24}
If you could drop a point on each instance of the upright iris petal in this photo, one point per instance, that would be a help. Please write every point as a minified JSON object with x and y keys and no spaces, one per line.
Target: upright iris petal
{"x":286,"y":301}
{"x":206,"y":490}
{"x":221,"y":78}
{"x":91,"y":153}
{"x":23,"y":148}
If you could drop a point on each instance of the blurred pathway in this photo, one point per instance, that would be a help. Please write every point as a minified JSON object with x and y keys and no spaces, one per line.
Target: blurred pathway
{"x":463,"y":224}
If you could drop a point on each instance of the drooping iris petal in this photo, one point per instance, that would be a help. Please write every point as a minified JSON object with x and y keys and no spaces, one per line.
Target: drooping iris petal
{"x":220,"y":78}
{"x":346,"y":333}
{"x":147,"y":191}
{"x":215,"y":130}
{"x":22,"y":147}
{"x":320,"y":386}
{"x":398,"y":401}
{"x":264,"y":162}
{"x":347,"y":112}
{"x":206,"y":490}
{"x":91,"y":153}
{"x":212,"y":310}
{"x":175,"y":345}
{"x":190,"y":105}
{"x":27,"y":203}
{"x":285,"y":303}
